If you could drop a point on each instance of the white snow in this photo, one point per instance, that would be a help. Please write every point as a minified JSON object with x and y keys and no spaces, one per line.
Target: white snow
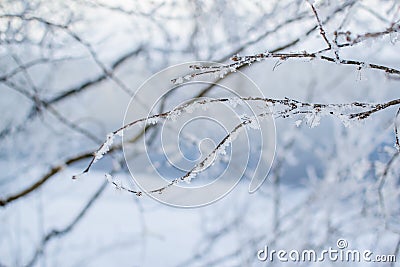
{"x":105,"y":147}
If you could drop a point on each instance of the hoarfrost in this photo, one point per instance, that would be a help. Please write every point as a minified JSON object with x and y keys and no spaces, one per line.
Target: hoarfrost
{"x":394,"y":37}
{"x":178,"y":80}
{"x":192,"y":107}
{"x":105,"y":147}
{"x":313,"y":119}
{"x":120,"y":133}
{"x":344,"y":119}
{"x":189,"y":178}
{"x":232,"y":137}
{"x":254,"y":123}
{"x":152,"y":121}
{"x":234,"y":102}
{"x":222,"y":149}
{"x":173,"y":115}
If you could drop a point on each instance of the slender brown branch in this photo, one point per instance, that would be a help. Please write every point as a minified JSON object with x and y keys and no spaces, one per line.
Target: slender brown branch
{"x":321,"y":28}
{"x":293,"y":107}
{"x":378,"y":107}
{"x":396,"y":131}
{"x":86,"y":85}
{"x":53,"y":171}
{"x":362,"y":37}
{"x":246,"y":60}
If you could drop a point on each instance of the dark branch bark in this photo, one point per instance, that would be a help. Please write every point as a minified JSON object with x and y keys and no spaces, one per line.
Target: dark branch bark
{"x":80,"y":88}
{"x":7,"y":200}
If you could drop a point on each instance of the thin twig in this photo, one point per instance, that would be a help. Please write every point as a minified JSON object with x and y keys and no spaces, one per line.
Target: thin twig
{"x":396,"y":132}
{"x":293,"y":107}
{"x":321,"y":28}
{"x":58,"y":233}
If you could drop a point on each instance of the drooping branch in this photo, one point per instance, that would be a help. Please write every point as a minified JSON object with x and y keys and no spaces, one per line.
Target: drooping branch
{"x":279,"y":108}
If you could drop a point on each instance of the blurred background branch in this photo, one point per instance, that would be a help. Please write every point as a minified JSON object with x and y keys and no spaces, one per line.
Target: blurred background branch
{"x":69,"y":68}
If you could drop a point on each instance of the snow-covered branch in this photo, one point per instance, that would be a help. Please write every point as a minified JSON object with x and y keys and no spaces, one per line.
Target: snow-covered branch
{"x":279,"y":108}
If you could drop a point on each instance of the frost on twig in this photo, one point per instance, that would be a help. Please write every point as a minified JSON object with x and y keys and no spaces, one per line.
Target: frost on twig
{"x":104,"y":148}
{"x":311,"y":113}
{"x":199,"y":70}
{"x":241,"y":61}
{"x":334,"y":46}
{"x":119,"y":186}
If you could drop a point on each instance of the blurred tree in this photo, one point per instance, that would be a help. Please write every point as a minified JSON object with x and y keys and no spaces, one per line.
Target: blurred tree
{"x":69,"y":68}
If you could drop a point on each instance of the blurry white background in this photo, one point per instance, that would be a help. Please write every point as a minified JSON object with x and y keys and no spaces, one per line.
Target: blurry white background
{"x":69,"y":68}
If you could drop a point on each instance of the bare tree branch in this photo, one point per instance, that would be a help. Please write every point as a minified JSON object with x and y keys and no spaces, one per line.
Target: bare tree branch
{"x":82,"y":87}
{"x":293,"y":107}
{"x":58,"y":233}
{"x":247,"y":60}
{"x":321,"y":29}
